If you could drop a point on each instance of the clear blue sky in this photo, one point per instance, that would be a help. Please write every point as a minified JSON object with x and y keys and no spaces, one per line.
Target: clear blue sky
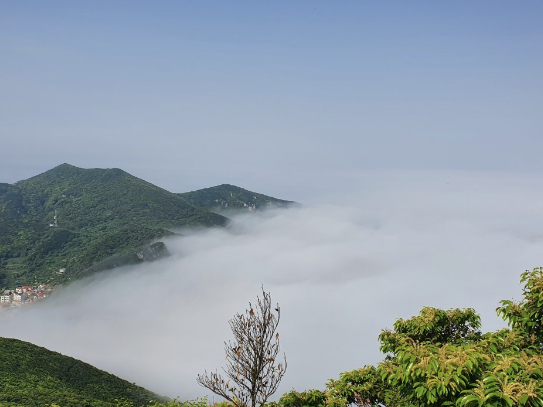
{"x":270,"y":95}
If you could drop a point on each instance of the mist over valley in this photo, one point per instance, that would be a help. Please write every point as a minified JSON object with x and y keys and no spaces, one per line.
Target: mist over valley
{"x":342,"y":271}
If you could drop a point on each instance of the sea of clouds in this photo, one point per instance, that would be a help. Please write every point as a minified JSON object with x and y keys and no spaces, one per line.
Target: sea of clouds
{"x":341,"y":269}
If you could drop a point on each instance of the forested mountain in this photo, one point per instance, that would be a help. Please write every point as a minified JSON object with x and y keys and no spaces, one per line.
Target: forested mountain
{"x":227,"y":196}
{"x":34,"y":376}
{"x":72,"y":218}
{"x":69,"y":222}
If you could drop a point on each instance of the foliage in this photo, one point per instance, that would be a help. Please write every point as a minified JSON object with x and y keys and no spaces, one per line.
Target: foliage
{"x":253,"y":373}
{"x":434,"y":326}
{"x":308,"y":398}
{"x":527,"y":315}
{"x":198,"y":402}
{"x":34,"y":376}
{"x":440,"y":358}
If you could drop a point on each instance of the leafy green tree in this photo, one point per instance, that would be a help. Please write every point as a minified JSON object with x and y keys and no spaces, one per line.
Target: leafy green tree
{"x":440,"y":358}
{"x":308,"y":398}
{"x":253,"y":370}
{"x":526,"y":316}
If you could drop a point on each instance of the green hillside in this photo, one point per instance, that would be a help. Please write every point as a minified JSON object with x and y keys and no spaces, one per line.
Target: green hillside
{"x":227,"y":196}
{"x":34,"y":376}
{"x":99,"y":213}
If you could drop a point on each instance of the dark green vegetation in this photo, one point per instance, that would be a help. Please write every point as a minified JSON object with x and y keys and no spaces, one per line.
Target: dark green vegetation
{"x":34,"y":376}
{"x":231,"y":197}
{"x":100,"y":213}
{"x":440,"y":358}
{"x":104,"y":218}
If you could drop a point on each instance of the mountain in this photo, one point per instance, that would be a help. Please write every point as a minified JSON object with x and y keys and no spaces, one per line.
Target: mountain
{"x":70,"y":222}
{"x":227,"y":196}
{"x":56,"y":225}
{"x":32,"y":376}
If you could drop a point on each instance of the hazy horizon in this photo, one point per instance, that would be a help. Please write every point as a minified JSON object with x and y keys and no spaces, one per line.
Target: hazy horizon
{"x":288,"y":99}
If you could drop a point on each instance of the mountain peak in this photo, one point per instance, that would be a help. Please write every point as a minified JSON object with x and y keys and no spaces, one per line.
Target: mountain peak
{"x":67,"y":173}
{"x":72,"y":218}
{"x":226,"y":196}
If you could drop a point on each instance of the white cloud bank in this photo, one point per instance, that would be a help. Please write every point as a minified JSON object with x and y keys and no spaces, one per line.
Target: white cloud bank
{"x":341,"y":272}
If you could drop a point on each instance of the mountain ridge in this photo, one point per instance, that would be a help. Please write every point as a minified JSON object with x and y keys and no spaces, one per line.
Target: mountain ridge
{"x":69,"y":218}
{"x":227,"y":196}
{"x":33,"y":376}
{"x":67,"y":222}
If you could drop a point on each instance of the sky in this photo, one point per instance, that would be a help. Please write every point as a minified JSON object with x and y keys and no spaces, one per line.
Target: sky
{"x":272,"y":95}
{"x":410,"y":132}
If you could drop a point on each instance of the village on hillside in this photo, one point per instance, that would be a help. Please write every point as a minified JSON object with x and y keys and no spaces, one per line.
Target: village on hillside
{"x":24,"y":295}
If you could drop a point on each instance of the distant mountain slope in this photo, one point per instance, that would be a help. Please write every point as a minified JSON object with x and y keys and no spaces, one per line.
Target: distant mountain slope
{"x":227,"y":196}
{"x":86,"y":198}
{"x":99,"y":213}
{"x":32,"y":376}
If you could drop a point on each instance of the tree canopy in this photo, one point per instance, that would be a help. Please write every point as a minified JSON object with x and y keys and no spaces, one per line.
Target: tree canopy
{"x":440,"y":358}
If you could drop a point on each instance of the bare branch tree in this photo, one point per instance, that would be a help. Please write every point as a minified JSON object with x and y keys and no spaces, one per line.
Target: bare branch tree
{"x":252,"y":370}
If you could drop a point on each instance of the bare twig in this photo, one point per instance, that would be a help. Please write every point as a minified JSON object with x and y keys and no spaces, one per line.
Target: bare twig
{"x":252,"y":370}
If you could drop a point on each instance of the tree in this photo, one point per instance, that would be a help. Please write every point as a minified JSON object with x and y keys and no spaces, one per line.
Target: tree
{"x":440,"y":358}
{"x":252,"y":371}
{"x":526,"y":316}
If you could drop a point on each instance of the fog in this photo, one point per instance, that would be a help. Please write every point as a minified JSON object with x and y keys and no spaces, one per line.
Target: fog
{"x":342,"y":269}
